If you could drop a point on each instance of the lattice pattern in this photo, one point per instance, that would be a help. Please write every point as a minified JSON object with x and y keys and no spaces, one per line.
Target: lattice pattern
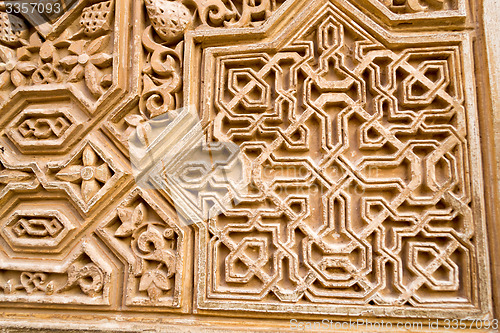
{"x":360,"y":173}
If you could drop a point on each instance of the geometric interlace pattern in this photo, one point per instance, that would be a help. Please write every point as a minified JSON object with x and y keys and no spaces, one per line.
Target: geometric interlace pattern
{"x":357,"y":138}
{"x":359,"y":172}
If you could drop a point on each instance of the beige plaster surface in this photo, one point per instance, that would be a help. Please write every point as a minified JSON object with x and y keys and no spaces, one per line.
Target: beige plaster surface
{"x":363,"y":140}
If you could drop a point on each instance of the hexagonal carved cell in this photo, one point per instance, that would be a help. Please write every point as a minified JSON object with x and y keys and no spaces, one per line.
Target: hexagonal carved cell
{"x":41,"y":129}
{"x":34,"y":229}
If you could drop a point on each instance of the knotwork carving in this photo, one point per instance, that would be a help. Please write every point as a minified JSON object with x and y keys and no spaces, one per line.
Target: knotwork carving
{"x":360,"y":191}
{"x":356,"y":135}
{"x":44,"y":128}
{"x":31,"y":282}
{"x":37,"y":227}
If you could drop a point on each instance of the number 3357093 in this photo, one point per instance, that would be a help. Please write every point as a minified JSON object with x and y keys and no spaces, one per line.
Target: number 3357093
{"x":22,"y":7}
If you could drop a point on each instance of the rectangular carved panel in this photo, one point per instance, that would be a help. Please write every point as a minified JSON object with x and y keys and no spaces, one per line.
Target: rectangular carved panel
{"x":360,"y":172}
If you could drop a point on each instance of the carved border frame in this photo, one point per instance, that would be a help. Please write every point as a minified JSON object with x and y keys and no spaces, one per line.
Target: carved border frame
{"x":465,"y":40}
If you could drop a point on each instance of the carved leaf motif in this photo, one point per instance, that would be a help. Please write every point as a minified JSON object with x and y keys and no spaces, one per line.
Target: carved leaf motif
{"x":101,"y":60}
{"x":76,"y":74}
{"x":89,"y":278}
{"x":47,"y":51}
{"x":130,"y":220}
{"x":85,"y":59}
{"x":69,"y":61}
{"x":139,"y":214}
{"x":98,"y":44}
{"x":17,"y":78}
{"x":6,"y":54}
{"x":77,"y":47}
{"x":7,"y":176}
{"x":26,"y":67}
{"x":102,"y":173}
{"x":93,"y":79}
{"x":35,"y":42}
{"x":4,"y":79}
{"x":64,"y":40}
{"x":12,"y":69}
{"x":154,"y":282}
{"x":89,"y":189}
{"x":89,"y":157}
{"x":70,"y":173}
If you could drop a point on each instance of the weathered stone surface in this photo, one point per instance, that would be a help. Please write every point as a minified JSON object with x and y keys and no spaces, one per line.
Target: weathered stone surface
{"x":200,"y":165}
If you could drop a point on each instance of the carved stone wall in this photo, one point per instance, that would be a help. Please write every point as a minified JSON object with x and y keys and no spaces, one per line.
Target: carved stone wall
{"x":304,"y":160}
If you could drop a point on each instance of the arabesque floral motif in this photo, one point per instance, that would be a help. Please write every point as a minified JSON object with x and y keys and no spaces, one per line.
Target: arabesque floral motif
{"x":77,"y":57}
